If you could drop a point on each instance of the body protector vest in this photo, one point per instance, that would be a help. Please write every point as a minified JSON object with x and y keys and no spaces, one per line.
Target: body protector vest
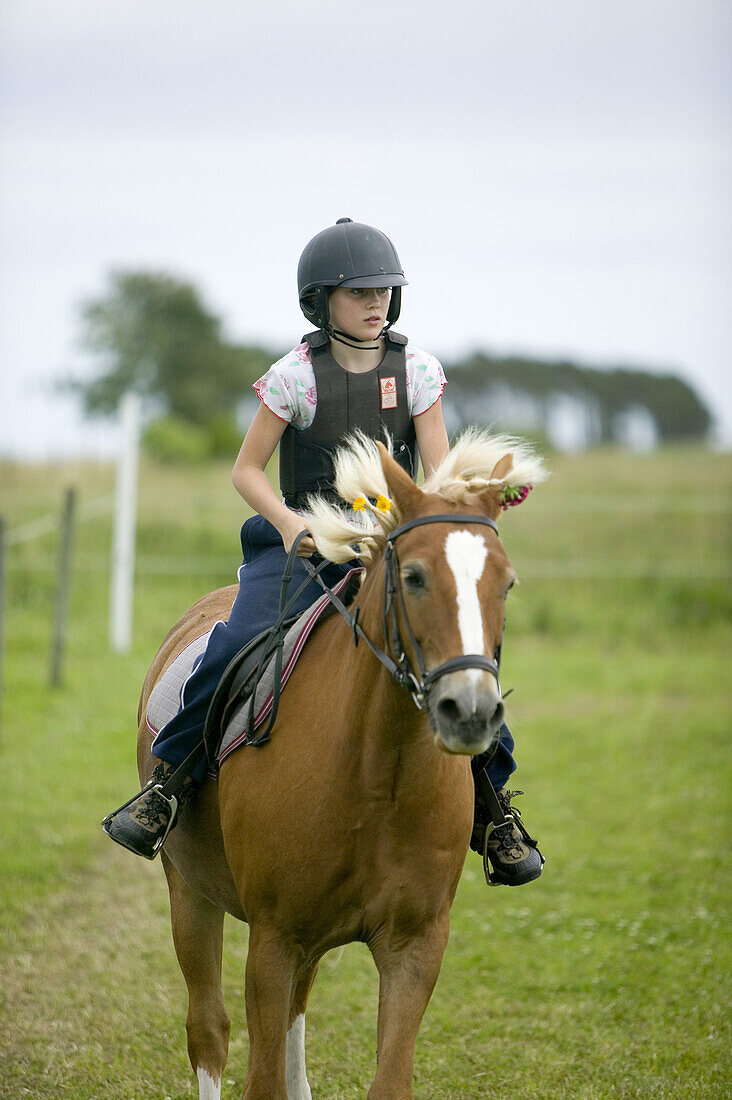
{"x":374,"y":402}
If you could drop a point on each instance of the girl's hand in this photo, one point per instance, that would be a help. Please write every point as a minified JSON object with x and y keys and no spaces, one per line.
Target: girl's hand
{"x":290,"y":529}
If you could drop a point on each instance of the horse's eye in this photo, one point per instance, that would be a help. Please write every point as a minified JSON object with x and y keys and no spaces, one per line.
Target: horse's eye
{"x":414,"y":578}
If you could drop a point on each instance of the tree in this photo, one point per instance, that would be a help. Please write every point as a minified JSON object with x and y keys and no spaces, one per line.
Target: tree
{"x":152,"y":333}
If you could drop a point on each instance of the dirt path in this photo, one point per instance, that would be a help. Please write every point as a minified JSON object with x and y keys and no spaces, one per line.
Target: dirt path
{"x":95,"y":965}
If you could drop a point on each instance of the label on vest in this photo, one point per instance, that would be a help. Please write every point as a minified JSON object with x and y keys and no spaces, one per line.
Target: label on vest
{"x":388,"y":393}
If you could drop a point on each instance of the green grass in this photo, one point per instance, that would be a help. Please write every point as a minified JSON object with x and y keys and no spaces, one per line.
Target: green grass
{"x":607,"y":978}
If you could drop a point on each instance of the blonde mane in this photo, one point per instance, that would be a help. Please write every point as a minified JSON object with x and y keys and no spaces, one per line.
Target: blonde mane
{"x":464,"y":473}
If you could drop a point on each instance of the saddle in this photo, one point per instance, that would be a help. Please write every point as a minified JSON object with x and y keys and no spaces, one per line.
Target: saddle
{"x":249,"y":689}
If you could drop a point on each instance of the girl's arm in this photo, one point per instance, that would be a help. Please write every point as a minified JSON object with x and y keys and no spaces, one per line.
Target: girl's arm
{"x":431,"y":437}
{"x":249,"y":478}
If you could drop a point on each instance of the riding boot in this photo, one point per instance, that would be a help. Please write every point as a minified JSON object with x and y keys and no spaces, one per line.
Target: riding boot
{"x":143,"y":823}
{"x":510,"y":856}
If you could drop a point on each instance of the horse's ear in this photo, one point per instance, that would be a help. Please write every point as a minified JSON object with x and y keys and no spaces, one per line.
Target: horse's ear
{"x":401,"y":487}
{"x":502,"y":468}
{"x":491,"y":497}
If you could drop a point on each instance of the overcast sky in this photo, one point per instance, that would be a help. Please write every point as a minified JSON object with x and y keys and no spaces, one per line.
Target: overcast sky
{"x":556,"y":176}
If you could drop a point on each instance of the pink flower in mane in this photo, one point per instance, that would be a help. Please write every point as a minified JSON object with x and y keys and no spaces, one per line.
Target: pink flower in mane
{"x":514,"y":494}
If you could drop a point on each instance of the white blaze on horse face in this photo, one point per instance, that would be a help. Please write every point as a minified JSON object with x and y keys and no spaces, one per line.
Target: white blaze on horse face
{"x":297,"y":1079}
{"x":466,"y":555}
{"x":208,"y":1089}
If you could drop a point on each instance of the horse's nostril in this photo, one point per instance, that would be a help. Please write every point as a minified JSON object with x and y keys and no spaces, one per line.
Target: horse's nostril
{"x":449,"y":711}
{"x":486,"y":713}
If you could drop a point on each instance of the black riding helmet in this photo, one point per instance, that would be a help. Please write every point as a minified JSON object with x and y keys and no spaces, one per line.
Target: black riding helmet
{"x":347,"y":254}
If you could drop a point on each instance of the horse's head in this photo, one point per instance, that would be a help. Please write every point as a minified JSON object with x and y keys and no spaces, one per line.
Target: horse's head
{"x":446,"y":575}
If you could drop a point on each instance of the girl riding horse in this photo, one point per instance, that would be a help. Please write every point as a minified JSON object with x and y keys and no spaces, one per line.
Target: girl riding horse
{"x":352,"y":373}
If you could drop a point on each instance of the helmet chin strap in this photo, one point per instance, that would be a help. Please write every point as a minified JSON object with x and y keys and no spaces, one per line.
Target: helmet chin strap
{"x":351,"y":341}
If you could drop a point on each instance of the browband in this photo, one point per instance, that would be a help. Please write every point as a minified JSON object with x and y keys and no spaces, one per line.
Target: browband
{"x":452,"y":517}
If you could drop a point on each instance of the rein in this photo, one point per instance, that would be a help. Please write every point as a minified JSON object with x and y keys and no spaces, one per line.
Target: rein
{"x":417,"y":684}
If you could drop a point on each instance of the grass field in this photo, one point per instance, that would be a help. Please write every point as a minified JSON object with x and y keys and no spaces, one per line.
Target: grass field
{"x":607,"y":978}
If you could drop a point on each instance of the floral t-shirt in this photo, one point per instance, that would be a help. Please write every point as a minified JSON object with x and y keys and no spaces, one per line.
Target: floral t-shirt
{"x":288,"y":388}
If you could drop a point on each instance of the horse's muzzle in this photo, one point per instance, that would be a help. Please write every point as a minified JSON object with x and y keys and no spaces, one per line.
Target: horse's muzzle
{"x":468,"y":711}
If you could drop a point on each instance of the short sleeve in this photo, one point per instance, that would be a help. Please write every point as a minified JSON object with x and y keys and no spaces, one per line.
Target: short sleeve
{"x":425,"y":380}
{"x":288,"y":388}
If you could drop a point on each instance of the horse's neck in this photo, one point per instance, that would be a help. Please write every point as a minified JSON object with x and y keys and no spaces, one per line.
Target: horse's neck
{"x":386,"y":741}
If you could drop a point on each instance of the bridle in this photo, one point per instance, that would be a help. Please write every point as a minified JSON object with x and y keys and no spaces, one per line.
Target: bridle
{"x":418,"y":683}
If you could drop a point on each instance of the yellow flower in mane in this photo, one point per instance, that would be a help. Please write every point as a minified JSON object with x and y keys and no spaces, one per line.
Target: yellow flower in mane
{"x":359,"y":504}
{"x":383,"y":504}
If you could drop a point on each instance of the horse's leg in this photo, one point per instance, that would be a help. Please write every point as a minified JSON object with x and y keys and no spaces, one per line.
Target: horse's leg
{"x":297,"y":1078}
{"x":408,"y":969}
{"x":198,"y":937}
{"x":272,"y":963}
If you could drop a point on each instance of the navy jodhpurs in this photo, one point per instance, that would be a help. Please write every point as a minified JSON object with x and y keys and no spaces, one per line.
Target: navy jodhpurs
{"x":255,"y":609}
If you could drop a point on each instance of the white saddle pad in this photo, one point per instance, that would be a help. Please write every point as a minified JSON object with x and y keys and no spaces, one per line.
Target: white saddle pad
{"x":166,"y":698}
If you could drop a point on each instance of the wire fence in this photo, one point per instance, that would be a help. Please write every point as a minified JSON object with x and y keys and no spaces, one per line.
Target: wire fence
{"x":606,"y":567}
{"x":661,"y":559}
{"x":45,"y":525}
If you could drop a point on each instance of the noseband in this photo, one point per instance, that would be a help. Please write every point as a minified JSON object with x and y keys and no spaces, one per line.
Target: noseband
{"x":419,"y":683}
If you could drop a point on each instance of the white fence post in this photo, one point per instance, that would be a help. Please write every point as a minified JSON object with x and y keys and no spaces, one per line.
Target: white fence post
{"x":125,"y":523}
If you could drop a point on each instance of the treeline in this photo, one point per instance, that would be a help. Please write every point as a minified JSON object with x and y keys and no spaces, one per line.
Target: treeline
{"x":607,"y":395}
{"x":151,"y":332}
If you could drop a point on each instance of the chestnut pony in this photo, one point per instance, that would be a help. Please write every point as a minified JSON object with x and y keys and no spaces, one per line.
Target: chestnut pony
{"x":353,"y":821}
